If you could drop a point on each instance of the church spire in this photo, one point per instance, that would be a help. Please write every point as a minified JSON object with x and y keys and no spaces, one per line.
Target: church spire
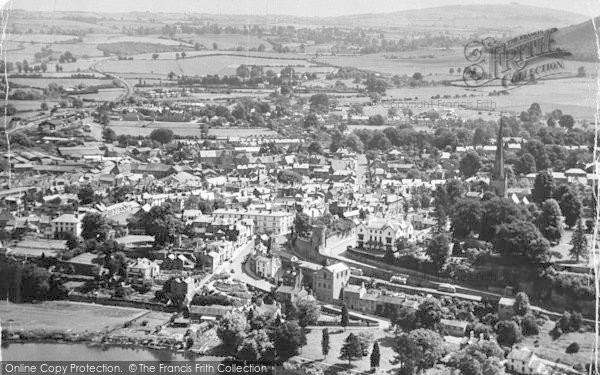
{"x":499,"y":161}
{"x":499,"y":183}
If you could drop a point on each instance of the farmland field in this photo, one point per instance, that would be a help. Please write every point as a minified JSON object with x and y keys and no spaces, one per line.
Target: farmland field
{"x":225,"y":41}
{"x":64,"y":82}
{"x":23,"y":25}
{"x":39,"y":38}
{"x":138,"y":128}
{"x":208,"y":64}
{"x":103,"y":94}
{"x":438,"y":65}
{"x":30,"y":105}
{"x":240,"y":132}
{"x":63,"y":316}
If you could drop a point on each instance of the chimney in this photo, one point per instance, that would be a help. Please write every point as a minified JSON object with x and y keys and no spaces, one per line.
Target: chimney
{"x":481,"y":336}
{"x":471,"y":334}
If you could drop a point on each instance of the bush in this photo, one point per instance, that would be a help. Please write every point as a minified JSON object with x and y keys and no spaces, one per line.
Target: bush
{"x":572,"y":348}
{"x":529,"y":326}
{"x":556,"y":332}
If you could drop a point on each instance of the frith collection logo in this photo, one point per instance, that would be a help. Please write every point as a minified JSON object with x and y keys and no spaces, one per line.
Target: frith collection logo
{"x":515,"y":62}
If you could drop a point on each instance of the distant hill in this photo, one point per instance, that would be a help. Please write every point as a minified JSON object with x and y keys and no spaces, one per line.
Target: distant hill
{"x":513,"y":18}
{"x":580,"y":40}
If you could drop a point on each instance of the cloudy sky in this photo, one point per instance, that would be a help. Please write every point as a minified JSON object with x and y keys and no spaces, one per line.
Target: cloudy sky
{"x":288,"y":7}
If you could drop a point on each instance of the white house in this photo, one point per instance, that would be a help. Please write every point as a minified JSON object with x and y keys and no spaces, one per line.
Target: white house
{"x":381,"y":234}
{"x":66,"y":223}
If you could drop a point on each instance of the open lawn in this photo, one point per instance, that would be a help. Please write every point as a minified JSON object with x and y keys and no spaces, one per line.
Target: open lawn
{"x":241,"y":132}
{"x":104,"y":94}
{"x":144,"y":128}
{"x":551,"y":349}
{"x":64,"y":316}
{"x":312,"y":350}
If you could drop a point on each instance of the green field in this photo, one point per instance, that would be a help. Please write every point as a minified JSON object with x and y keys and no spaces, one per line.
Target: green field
{"x":64,"y":316}
{"x":144,"y":128}
{"x":225,"y":41}
{"x":202,"y":65}
{"x":551,"y":349}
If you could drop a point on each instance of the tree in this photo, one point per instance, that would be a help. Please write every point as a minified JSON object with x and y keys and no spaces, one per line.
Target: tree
{"x":256,"y":346}
{"x":231,"y":329}
{"x":310,"y":121}
{"x":376,"y":85}
{"x":161,"y":223}
{"x":521,"y":239}
{"x":302,"y":224}
{"x":375,"y":355}
{"x":309,"y":312}
{"x":155,"y":56}
{"x":529,"y":325}
{"x":408,"y":353}
{"x":162,"y":135}
{"x":72,"y":240}
{"x":86,"y":195}
{"x":549,"y":221}
{"x":466,"y":218}
{"x":480,"y":136}
{"x":521,"y":305}
{"x":417,"y":76}
{"x":429,"y":313}
{"x":543,"y":187}
{"x":325,"y":346}
{"x":508,"y":333}
{"x":314,"y":148}
{"x":566,"y":121}
{"x":44,"y":106}
{"x":440,"y":217}
{"x":572,"y":348}
{"x":406,"y":319}
{"x":288,"y":338}
{"x":525,"y":164}
{"x":579,"y":242}
{"x":351,"y":349}
{"x":469,"y":164}
{"x":438,"y":250}
{"x":420,"y":349}
{"x":93,"y":226}
{"x":319,"y":101}
{"x":570,"y":206}
{"x":109,"y":135}
{"x":344,"y":316}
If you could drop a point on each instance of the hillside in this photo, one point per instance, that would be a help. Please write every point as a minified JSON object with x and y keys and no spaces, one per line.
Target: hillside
{"x":580,"y":40}
{"x":513,"y":17}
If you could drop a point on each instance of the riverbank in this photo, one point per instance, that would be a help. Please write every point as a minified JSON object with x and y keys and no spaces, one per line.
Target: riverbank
{"x":83,"y":323}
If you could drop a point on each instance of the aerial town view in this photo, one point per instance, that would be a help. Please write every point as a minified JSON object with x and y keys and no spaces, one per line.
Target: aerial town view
{"x":299,"y":187}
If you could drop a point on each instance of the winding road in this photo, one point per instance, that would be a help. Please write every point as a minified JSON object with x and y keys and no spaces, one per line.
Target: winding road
{"x":96,"y":67}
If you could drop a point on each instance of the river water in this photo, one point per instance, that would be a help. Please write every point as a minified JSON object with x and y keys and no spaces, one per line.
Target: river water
{"x":83,"y":352}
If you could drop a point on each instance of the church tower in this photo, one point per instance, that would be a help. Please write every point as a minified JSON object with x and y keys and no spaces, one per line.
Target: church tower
{"x":499,"y":183}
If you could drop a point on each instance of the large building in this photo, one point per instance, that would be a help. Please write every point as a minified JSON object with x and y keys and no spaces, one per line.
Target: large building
{"x":66,"y":223}
{"x":264,"y":221}
{"x":373,"y":301}
{"x":328,"y":282}
{"x":381,"y":234}
{"x":142,"y":270}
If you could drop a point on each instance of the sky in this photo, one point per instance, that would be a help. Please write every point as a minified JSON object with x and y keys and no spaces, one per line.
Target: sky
{"x":305,"y":8}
